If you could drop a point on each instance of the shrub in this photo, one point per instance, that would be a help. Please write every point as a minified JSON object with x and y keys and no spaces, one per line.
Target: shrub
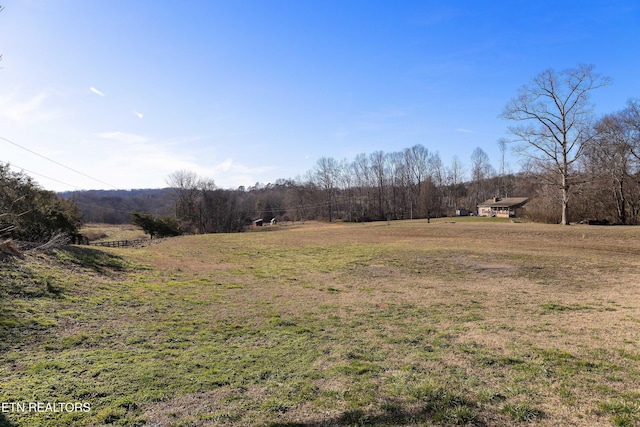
{"x":30,"y":213}
{"x":156,"y":226}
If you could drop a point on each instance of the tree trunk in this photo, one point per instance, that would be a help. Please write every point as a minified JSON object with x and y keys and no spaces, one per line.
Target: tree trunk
{"x":622,"y":204}
{"x":565,"y":198}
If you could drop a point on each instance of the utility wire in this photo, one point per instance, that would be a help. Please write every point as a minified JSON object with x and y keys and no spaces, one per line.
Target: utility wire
{"x":57,"y":163}
{"x":44,"y":176}
{"x":70,"y":185}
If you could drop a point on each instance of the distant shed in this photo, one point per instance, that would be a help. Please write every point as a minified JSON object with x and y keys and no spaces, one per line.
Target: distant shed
{"x":258,"y":222}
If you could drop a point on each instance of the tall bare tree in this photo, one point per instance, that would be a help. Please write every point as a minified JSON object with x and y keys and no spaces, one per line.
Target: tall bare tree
{"x":454,"y":182}
{"x":417,"y":159}
{"x":325,"y":176}
{"x":363,"y":181}
{"x":185,"y":185}
{"x":481,"y":173}
{"x":378,"y":164}
{"x":555,"y":115}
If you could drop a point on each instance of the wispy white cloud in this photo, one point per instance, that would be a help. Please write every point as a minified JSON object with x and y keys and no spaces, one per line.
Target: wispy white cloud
{"x":96,"y":91}
{"x":146,"y":162}
{"x":231,"y":174}
{"x":225,"y":166}
{"x":230,"y":170}
{"x":138,"y":115}
{"x":25,"y":111}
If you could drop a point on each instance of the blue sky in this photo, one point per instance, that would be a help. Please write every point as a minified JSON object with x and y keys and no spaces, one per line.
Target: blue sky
{"x":127,"y":92}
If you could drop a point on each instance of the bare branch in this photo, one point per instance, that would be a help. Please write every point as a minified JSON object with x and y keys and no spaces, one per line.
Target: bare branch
{"x":557,"y":107}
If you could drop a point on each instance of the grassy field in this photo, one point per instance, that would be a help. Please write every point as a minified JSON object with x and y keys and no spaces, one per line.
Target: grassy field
{"x":107,"y":232}
{"x":455,"y":322}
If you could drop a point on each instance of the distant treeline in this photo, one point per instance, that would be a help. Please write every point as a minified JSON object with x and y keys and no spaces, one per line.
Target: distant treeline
{"x":116,"y":206}
{"x":412,"y":183}
{"x":591,"y":166}
{"x":602,"y":180}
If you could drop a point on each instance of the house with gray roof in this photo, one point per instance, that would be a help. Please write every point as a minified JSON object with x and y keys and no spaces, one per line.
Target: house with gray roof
{"x":499,"y":207}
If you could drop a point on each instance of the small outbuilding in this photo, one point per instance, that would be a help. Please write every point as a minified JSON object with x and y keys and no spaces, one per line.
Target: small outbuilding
{"x":258,"y":222}
{"x":497,"y":207}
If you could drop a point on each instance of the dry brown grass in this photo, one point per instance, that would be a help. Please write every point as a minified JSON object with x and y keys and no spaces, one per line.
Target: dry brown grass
{"x":8,"y":249}
{"x":540,"y":314}
{"x":104,"y":232}
{"x":401,"y":323}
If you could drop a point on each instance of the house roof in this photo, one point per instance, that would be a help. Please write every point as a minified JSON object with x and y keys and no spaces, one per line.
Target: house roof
{"x":507,"y":202}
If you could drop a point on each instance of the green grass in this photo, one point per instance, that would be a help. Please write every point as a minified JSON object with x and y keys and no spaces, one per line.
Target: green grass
{"x":522,"y":412}
{"x":402,"y":324}
{"x":624,"y":412}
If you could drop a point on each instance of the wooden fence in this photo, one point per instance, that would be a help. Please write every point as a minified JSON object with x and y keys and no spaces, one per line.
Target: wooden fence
{"x":119,"y":243}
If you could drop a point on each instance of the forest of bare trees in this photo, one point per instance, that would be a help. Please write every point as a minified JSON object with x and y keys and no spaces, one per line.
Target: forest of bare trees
{"x":408,"y":184}
{"x":412,"y":183}
{"x":569,"y":157}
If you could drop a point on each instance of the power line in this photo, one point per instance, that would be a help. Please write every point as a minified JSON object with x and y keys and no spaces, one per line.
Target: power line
{"x":91,"y":205}
{"x":44,"y":176}
{"x":57,"y":163}
{"x":70,"y":185}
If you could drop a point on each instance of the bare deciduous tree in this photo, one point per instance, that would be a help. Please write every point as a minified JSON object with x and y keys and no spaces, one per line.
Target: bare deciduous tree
{"x":481,"y":173}
{"x":631,"y":118}
{"x":363,"y":181}
{"x":377,"y":161}
{"x":326,"y":177}
{"x":417,"y":159}
{"x":613,"y":162}
{"x":185,"y":185}
{"x":555,"y":112}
